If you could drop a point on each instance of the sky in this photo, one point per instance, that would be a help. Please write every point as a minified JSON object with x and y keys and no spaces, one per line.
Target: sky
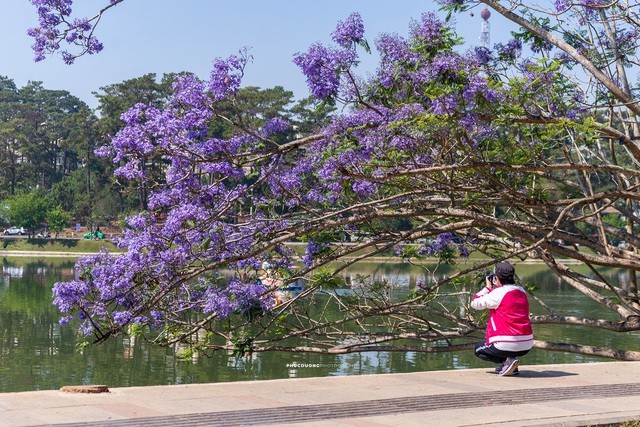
{"x":163,"y":36}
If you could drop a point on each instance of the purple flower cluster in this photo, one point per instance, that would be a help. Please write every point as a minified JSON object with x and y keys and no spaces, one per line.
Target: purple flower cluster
{"x":364,"y":188}
{"x":112,"y":291}
{"x":56,"y":27}
{"x":275,"y":125}
{"x":217,"y":301}
{"x":477,"y":90}
{"x":595,"y":3}
{"x":441,"y":244}
{"x":438,"y":245}
{"x":428,"y":30}
{"x":394,"y":49}
{"x":395,"y":53}
{"x":624,"y":39}
{"x":226,"y":75}
{"x":324,"y":66}
{"x":312,"y":249}
{"x":349,"y":31}
{"x":482,"y":55}
{"x":509,"y":52}
{"x":562,"y":5}
{"x":248,"y":296}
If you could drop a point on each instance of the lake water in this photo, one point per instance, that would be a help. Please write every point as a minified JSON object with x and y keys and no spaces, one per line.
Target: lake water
{"x":36,"y":353}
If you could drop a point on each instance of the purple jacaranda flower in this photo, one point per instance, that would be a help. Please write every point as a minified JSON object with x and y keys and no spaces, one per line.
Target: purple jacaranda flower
{"x":445,"y":105}
{"x":121,"y":317}
{"x":393,"y":49}
{"x":226,"y":75}
{"x":364,"y":188}
{"x":349,"y":31}
{"x":316,"y":64}
{"x":595,"y":3}
{"x":463,"y":251}
{"x":275,"y":125}
{"x":428,"y":29}
{"x":218,"y":302}
{"x":55,"y":27}
{"x":478,"y":88}
{"x":441,"y":243}
{"x":562,"y":5}
{"x":68,"y":294}
{"x":404,"y":142}
{"x":482,"y":55}
{"x":310,"y":252}
{"x":247,"y":296}
{"x":510,"y":51}
{"x":189,"y":90}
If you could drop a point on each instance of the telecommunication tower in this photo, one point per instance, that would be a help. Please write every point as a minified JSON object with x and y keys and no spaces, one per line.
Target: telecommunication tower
{"x":485,"y":33}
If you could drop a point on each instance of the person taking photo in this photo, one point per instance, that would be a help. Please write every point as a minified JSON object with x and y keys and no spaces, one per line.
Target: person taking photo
{"x":509,"y":334}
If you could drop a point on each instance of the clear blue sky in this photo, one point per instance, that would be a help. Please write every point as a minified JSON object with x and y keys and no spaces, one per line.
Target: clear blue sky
{"x":162,"y":36}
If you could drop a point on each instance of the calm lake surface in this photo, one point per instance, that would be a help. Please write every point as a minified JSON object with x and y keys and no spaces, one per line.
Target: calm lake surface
{"x":36,"y":353}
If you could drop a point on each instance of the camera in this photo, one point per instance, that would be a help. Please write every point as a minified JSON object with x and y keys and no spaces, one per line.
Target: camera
{"x":483,"y":280}
{"x":490,"y":277}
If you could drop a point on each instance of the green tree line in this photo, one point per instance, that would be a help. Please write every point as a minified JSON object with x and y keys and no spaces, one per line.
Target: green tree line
{"x":49,"y":173}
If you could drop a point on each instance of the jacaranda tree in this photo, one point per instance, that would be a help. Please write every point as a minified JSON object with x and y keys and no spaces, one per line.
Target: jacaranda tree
{"x":510,"y":155}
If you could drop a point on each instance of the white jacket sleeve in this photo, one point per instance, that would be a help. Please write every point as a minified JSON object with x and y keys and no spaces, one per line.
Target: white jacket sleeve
{"x":487,"y":299}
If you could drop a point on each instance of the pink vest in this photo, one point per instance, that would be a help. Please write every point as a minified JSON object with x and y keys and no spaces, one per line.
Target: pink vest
{"x":508,"y":315}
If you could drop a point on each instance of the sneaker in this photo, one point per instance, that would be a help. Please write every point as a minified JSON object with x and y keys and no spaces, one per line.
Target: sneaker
{"x":509,"y":367}
{"x":499,"y":369}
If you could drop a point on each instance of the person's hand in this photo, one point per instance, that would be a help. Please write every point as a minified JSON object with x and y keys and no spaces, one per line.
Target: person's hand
{"x":488,"y":283}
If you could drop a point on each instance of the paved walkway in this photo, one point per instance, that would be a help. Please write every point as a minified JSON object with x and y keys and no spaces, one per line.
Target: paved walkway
{"x":542,"y":395}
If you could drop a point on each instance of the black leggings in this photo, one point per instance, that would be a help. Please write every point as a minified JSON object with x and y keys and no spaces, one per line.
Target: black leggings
{"x":491,"y":354}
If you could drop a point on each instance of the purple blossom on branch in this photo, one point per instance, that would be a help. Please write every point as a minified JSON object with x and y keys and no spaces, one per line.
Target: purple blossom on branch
{"x":310,"y":252}
{"x":511,"y":51}
{"x":55,"y":27}
{"x":226,"y":75}
{"x":322,"y":67}
{"x":275,"y":125}
{"x":349,"y":31}
{"x":482,"y":55}
{"x":562,"y":5}
{"x":428,"y":29}
{"x":364,"y":188}
{"x":393,"y":49}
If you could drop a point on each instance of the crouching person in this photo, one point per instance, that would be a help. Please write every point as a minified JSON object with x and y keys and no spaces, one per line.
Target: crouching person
{"x":509,"y":334}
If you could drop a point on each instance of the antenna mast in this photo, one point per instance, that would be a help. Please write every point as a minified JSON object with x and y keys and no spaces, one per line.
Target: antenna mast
{"x":485,"y":33}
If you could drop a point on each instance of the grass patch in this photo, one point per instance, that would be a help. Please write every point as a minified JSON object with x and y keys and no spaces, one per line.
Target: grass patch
{"x":56,"y":245}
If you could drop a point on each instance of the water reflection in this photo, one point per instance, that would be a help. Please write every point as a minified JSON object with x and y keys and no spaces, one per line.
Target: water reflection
{"x":36,"y":353}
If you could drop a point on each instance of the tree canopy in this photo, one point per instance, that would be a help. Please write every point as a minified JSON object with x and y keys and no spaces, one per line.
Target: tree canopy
{"x":491,"y":151}
{"x":27,"y":210}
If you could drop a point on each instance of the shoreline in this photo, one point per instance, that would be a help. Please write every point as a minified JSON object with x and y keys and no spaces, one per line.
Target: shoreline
{"x":53,"y":254}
